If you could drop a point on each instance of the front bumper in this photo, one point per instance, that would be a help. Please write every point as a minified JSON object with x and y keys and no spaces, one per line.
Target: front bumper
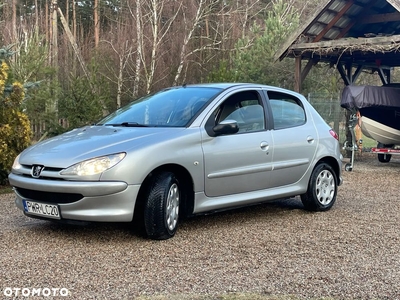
{"x":98,"y":201}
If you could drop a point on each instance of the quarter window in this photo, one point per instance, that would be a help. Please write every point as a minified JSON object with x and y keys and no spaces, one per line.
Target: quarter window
{"x":287,"y":111}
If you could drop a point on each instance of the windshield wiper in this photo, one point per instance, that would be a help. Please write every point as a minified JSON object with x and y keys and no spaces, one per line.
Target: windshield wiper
{"x":128,"y":124}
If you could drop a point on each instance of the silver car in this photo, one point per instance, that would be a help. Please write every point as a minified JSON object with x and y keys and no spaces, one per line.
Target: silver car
{"x":179,"y":152}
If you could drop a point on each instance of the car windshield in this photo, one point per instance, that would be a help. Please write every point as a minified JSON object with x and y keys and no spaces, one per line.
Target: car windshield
{"x":174,"y":107}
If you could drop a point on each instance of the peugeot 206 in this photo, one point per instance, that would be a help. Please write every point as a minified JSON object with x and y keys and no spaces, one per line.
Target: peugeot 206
{"x":179,"y":152}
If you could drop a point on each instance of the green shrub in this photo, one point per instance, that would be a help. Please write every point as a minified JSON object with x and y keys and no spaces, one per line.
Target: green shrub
{"x":15,"y":130}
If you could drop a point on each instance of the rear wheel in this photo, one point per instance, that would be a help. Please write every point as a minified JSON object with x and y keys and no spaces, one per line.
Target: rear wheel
{"x":161,"y":208}
{"x":322,"y":189}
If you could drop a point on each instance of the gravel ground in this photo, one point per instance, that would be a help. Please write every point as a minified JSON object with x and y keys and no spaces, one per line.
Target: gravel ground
{"x":349,"y":252}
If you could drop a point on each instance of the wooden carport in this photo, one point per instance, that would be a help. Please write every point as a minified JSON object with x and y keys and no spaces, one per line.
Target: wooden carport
{"x":353,"y":36}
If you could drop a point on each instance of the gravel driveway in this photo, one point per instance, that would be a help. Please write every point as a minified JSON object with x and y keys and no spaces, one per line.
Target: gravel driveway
{"x":349,"y":252}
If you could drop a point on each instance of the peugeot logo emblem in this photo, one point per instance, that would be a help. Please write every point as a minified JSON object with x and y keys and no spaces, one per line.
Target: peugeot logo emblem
{"x":36,"y":171}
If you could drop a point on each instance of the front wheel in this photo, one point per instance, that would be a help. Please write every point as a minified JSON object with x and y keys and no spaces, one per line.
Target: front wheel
{"x":161,"y":209}
{"x":322,"y":189}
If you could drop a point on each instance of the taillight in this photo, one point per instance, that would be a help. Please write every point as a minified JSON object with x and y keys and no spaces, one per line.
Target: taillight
{"x":334,"y":134}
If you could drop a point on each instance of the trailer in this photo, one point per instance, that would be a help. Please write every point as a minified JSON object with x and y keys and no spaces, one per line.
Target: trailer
{"x":376,"y":110}
{"x":385,"y":152}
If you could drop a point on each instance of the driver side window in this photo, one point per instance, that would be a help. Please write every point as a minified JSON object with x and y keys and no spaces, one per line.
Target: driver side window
{"x":245,"y":108}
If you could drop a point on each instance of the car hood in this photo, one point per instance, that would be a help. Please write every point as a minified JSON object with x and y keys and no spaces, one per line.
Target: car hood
{"x":88,"y":142}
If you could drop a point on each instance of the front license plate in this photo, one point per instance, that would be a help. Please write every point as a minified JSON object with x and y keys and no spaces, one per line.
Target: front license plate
{"x":41,"y":209}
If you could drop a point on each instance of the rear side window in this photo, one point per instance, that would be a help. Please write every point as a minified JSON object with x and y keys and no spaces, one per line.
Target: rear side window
{"x":287,"y":111}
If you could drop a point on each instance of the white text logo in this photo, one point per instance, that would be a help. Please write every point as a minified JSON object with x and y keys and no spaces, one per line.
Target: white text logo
{"x":31,"y":292}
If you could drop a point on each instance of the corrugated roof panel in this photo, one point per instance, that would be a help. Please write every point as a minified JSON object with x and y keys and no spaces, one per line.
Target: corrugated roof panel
{"x":332,"y":34}
{"x":315,"y":29}
{"x":337,"y":5}
{"x":326,"y":17}
{"x":343,"y":22}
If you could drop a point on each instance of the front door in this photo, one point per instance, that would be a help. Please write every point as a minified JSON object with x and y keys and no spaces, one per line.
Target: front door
{"x":239,"y":162}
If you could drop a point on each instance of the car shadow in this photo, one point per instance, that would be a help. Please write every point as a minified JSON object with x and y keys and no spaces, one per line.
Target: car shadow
{"x":272,"y":209}
{"x":107,"y":232}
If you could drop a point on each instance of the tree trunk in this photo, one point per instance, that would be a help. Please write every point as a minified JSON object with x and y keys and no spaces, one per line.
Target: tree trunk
{"x":14,"y":22}
{"x":96,"y":24}
{"x":49,"y":32}
{"x":36,"y":19}
{"x":199,"y":13}
{"x":67,"y":10}
{"x":74,"y":19}
{"x":120,"y":81}
{"x":53,"y":106}
{"x":154,"y":24}
{"x":74,"y":46}
{"x":139,"y":49}
{"x":74,"y":33}
{"x":54,"y":38}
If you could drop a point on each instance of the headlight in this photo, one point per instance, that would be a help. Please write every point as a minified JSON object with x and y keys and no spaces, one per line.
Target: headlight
{"x":94,"y":166}
{"x":16,"y":165}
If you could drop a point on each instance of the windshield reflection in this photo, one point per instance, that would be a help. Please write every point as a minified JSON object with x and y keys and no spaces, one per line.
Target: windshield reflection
{"x":174,"y":107}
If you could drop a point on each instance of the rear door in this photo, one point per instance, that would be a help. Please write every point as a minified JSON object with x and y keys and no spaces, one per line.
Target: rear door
{"x":295,"y":139}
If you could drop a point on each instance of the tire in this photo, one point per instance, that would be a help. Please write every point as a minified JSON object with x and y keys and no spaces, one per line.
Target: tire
{"x":384,"y":158}
{"x":161,"y":208}
{"x":348,"y":167}
{"x":322,"y":189}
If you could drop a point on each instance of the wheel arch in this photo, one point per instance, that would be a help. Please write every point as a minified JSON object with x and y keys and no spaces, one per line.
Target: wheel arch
{"x":334,"y":164}
{"x":186,"y":185}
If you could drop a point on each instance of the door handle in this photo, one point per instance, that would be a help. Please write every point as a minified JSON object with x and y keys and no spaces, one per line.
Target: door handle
{"x":310,"y":139}
{"x":264,"y":146}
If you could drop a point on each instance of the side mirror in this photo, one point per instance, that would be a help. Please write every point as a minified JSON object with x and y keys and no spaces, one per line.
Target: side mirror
{"x":226,"y":127}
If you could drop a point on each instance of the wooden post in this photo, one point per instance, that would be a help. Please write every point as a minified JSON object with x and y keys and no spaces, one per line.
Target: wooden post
{"x":297,"y":74}
{"x":337,"y":111}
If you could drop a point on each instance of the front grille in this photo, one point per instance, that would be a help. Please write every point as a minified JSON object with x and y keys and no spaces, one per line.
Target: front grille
{"x":53,"y":173}
{"x":49,"y":196}
{"x":51,"y":169}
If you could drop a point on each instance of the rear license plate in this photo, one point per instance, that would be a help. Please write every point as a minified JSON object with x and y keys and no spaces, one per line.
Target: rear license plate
{"x":41,"y":209}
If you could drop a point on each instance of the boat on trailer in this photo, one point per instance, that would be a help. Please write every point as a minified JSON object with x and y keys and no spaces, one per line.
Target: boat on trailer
{"x":376,"y":109}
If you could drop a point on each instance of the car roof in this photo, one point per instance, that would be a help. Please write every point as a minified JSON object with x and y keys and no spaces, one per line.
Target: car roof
{"x":221,"y":85}
{"x":233,"y":85}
